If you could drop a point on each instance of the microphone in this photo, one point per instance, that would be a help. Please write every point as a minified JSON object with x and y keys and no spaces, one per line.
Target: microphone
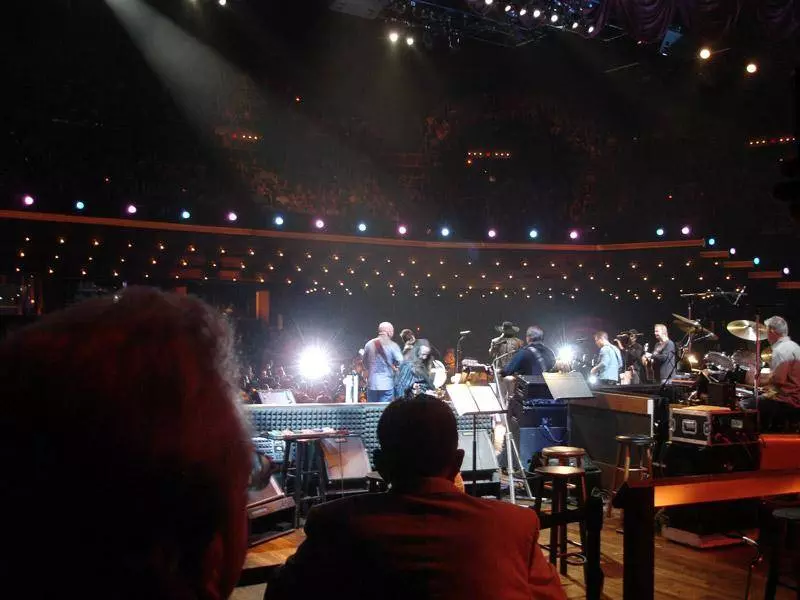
{"x":739,"y":297}
{"x":467,"y":332}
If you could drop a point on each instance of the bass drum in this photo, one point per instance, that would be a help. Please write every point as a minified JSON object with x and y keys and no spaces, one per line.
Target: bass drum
{"x":746,"y":366}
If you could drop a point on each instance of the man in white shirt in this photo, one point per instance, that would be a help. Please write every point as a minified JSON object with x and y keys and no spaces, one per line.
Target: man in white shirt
{"x":782,"y":402}
{"x":610,"y":360}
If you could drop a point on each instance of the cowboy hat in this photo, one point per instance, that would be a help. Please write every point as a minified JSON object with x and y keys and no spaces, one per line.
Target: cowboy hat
{"x":507,"y":327}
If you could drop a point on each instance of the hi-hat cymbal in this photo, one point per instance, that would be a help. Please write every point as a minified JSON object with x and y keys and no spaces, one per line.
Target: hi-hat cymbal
{"x":746,"y":330}
{"x":766,"y":354}
{"x":694,"y":327}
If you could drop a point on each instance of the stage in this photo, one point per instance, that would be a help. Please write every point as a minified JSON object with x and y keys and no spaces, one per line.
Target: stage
{"x":681,"y":572}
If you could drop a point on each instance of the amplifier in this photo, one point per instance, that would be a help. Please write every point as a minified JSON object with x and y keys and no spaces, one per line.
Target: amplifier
{"x":531,"y":387}
{"x":712,"y":426}
{"x":551,"y":415}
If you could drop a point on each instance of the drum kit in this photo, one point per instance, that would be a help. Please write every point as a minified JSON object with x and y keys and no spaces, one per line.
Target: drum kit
{"x":742,"y":366}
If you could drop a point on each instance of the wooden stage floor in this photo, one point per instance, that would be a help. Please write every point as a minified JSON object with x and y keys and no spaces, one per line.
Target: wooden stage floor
{"x":682,"y":573}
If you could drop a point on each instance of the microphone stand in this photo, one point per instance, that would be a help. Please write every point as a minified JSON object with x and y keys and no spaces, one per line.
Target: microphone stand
{"x":458,"y":352}
{"x":511,"y":445}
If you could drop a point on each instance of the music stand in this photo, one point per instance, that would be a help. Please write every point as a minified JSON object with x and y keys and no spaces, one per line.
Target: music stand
{"x":474,"y":400}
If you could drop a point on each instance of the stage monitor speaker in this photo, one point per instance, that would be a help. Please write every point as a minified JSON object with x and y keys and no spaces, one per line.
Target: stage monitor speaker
{"x":531,"y":440}
{"x":345,"y":458}
{"x":276,"y":397}
{"x":487,"y":460}
{"x":270,"y":513}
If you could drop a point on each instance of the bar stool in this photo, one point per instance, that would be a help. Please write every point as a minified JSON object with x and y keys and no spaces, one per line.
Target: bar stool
{"x":563,"y":454}
{"x":307,"y":469}
{"x":622,"y":470}
{"x":787,"y":524}
{"x":560,"y":478}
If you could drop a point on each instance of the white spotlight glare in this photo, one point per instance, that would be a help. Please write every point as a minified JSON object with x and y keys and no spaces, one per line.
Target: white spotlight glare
{"x":278,"y":220}
{"x":704,"y":53}
{"x":507,"y":8}
{"x":574,"y":24}
{"x":185,"y":214}
{"x":533,"y":234}
{"x":409,"y":41}
{"x":660,"y":231}
{"x":573,"y":235}
{"x":592,"y":379}
{"x":566,"y":354}
{"x":523,"y":12}
{"x":28,"y":200}
{"x":536,"y":13}
{"x":362,"y":227}
{"x":313,"y":363}
{"x":686,"y":230}
{"x":402,"y":230}
{"x":131,"y":209}
{"x":445,"y":231}
{"x":79,"y":205}
{"x":554,"y":18}
{"x":786,"y":270}
{"x":232,"y":216}
{"x":222,"y":2}
{"x":489,"y":2}
{"x":492,"y":233}
{"x":319,"y":223}
{"x":732,"y":251}
{"x":394,"y":36}
{"x":591,"y":29}
{"x":751,"y":68}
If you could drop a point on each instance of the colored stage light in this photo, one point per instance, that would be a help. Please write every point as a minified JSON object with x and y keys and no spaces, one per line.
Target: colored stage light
{"x":362,"y":227}
{"x":131,"y":209}
{"x":232,"y":216}
{"x":445,"y":231}
{"x":573,"y":235}
{"x":278,"y":220}
{"x":319,"y":224}
{"x":185,"y":215}
{"x":80,"y":205}
{"x":660,"y":231}
{"x":492,"y":233}
{"x":402,"y":230}
{"x":28,"y":201}
{"x":533,"y":234}
{"x":686,"y":230}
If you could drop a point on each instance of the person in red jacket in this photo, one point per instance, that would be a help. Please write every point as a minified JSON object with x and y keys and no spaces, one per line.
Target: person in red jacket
{"x":423,"y":538}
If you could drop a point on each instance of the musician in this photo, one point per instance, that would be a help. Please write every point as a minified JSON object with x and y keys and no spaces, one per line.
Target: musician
{"x":610,"y":364}
{"x":663,"y":356}
{"x":632,"y":352}
{"x":415,"y":372}
{"x":505,"y":344}
{"x":409,"y":340}
{"x":533,"y":359}
{"x":782,"y":402}
{"x":381,"y":358}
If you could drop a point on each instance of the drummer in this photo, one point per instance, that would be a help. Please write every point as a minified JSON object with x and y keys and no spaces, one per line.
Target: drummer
{"x":414,"y":375}
{"x":781,"y":404}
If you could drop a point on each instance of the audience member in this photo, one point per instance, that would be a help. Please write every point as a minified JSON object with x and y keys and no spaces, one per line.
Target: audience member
{"x":423,"y":538}
{"x":125,"y":460}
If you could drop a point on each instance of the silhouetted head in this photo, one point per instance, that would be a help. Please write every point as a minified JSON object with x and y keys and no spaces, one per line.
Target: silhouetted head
{"x":418,"y":438}
{"x":123,"y":440}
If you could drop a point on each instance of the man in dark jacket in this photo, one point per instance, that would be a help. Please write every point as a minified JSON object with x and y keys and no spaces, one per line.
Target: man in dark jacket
{"x":534,"y":359}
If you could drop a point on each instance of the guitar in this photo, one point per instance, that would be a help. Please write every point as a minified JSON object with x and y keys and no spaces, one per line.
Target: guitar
{"x":648,"y":364}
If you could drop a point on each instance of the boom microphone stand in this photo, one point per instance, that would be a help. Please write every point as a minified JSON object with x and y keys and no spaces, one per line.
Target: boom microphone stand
{"x":511,"y":446}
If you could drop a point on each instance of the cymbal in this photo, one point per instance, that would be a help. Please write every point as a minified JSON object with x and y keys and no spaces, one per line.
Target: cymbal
{"x":693,"y":327}
{"x":746,"y":330}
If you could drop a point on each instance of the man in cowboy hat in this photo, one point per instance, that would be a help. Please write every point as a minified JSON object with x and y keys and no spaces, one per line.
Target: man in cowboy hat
{"x":632,"y":352}
{"x":505,"y":344}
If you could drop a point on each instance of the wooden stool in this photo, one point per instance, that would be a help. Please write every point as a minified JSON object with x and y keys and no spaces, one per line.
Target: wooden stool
{"x":306,"y":471}
{"x":563,"y":454}
{"x":787,"y":523}
{"x":623,"y":469}
{"x":375,"y":483}
{"x":560,"y":477}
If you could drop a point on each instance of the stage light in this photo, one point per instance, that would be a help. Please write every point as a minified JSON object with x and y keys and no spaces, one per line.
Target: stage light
{"x":394,"y":36}
{"x":660,"y":231}
{"x":566,"y":354}
{"x":80,"y":205}
{"x":686,"y":230}
{"x":573,"y":235}
{"x":409,"y":41}
{"x":28,"y":200}
{"x":756,"y":261}
{"x":131,"y":209}
{"x":732,"y":251}
{"x":362,"y":227}
{"x":591,"y":29}
{"x":492,"y":233}
{"x":507,"y":8}
{"x":489,"y":2}
{"x":536,"y":13}
{"x":402,"y":230}
{"x":232,"y":216}
{"x":185,"y":214}
{"x":786,"y":270}
{"x":319,"y":223}
{"x":313,"y":363}
{"x":592,"y":379}
{"x":704,"y":53}
{"x":445,"y":231}
{"x":523,"y":12}
{"x":222,"y":2}
{"x":533,"y":234}
{"x":692,"y":358}
{"x":574,"y":24}
{"x":554,"y":18}
{"x":751,"y":68}
{"x":712,"y":241}
{"x":278,"y":220}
